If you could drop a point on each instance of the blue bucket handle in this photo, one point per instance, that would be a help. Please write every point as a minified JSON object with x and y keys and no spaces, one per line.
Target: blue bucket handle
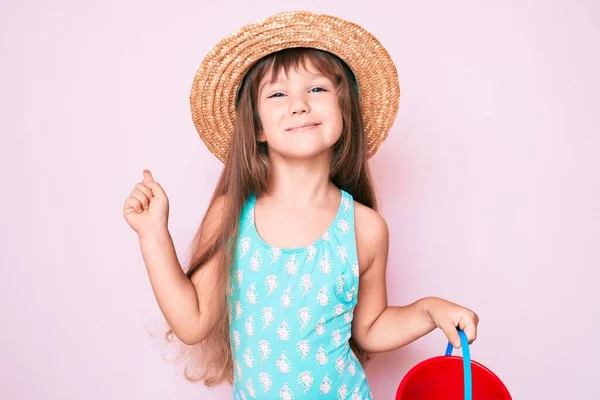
{"x":466,"y":356}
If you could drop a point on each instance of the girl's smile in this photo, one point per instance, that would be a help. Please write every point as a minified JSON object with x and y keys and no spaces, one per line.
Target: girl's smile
{"x":303,"y":127}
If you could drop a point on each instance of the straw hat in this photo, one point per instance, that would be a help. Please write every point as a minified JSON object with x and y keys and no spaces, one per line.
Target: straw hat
{"x":218,"y":79}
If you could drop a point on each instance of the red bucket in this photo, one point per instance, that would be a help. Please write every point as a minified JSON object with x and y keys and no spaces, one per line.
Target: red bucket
{"x":451,"y":378}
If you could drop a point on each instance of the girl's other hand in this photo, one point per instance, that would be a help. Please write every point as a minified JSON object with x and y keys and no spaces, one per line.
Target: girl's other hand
{"x":449,"y":316}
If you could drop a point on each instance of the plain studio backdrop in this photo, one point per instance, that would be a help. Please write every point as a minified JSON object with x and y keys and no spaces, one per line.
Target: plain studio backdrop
{"x":488,"y":181}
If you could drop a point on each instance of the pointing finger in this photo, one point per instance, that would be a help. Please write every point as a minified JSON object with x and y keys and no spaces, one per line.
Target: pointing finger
{"x":148,"y":176}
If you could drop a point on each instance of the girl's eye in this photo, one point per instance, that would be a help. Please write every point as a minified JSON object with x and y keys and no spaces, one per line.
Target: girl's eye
{"x":313,"y":90}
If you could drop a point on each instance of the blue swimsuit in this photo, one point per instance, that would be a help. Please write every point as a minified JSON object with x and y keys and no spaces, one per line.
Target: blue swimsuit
{"x":291,"y":312}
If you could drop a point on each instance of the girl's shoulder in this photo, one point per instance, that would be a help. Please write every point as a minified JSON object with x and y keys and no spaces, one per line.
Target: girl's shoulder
{"x":368,"y":218}
{"x":372,"y":235}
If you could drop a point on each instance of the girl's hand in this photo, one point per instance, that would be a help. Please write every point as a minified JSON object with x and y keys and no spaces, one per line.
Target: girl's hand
{"x":147,"y":207}
{"x":449,"y":316}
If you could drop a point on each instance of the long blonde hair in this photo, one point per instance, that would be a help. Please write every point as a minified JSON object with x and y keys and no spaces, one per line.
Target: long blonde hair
{"x":246,"y":171}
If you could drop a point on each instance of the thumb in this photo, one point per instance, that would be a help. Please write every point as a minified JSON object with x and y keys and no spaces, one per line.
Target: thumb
{"x":452,"y":333}
{"x":148,"y":176}
{"x":157,"y":190}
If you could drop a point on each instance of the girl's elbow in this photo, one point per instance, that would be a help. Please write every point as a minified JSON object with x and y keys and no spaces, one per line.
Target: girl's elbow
{"x":190,"y":337}
{"x":191,"y":340}
{"x":364,"y":343}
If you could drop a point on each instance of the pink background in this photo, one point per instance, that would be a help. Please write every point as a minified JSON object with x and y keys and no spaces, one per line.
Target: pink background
{"x":488,"y":182}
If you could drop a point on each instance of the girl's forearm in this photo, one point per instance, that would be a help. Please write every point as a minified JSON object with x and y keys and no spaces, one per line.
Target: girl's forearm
{"x":397,"y":326}
{"x":174,"y":292}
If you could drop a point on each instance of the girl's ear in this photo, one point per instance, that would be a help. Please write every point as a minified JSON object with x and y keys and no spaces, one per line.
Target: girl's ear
{"x":261,"y":137}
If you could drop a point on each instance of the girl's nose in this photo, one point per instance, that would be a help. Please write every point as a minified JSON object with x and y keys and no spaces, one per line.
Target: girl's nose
{"x":299,"y":111}
{"x":299,"y":106}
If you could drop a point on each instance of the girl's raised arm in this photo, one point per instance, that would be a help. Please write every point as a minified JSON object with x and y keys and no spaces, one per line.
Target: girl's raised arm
{"x":187,"y":304}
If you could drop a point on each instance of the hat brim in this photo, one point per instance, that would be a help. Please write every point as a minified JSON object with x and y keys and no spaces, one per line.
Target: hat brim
{"x":218,"y":78}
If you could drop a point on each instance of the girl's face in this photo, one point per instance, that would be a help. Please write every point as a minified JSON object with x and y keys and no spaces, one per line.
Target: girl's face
{"x":300,"y":113}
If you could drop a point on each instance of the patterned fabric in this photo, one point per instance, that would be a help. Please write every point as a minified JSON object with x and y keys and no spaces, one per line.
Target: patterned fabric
{"x":291,"y":312}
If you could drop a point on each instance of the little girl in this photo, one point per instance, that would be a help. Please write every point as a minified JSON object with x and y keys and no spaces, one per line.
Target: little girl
{"x":285,"y":294}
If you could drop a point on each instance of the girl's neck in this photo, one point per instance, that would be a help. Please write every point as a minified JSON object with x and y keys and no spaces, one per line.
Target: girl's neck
{"x":301,"y":182}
